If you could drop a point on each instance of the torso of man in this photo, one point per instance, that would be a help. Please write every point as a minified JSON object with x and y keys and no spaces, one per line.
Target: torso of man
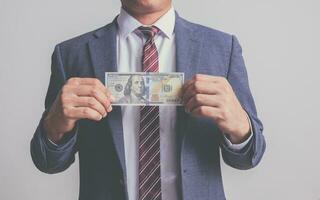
{"x":129,"y":50}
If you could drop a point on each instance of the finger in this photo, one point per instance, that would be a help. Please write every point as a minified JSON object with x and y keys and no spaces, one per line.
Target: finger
{"x":94,"y":92}
{"x":109,"y":109}
{"x":187,"y":84}
{"x":203,"y":100}
{"x":200,"y":87}
{"x":203,"y":77}
{"x":92,"y":82}
{"x":90,"y":102}
{"x":85,"y":113}
{"x":207,"y":111}
{"x":83,"y":81}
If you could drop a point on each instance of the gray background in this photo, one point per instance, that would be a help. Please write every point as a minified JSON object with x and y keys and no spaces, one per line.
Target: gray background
{"x":280,"y":40}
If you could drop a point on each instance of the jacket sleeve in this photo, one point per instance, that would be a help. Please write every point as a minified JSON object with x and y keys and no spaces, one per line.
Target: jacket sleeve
{"x":237,"y":76}
{"x":48,"y":157}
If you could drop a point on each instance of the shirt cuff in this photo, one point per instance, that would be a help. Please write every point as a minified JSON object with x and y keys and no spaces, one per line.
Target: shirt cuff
{"x":239,"y":147}
{"x":65,"y":140}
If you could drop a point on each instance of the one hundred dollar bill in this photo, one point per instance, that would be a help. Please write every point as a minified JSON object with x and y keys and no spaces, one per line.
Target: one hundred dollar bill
{"x":145,"y":88}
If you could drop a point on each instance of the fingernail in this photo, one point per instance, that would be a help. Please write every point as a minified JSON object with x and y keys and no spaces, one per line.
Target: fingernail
{"x":110,"y":108}
{"x":105,"y":114}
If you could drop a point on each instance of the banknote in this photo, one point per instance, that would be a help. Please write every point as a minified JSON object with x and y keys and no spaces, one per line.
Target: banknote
{"x":145,"y":88}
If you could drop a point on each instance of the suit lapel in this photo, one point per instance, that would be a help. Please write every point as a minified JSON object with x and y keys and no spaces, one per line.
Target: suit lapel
{"x":104,"y":59}
{"x":188,"y":47}
{"x":103,"y":51}
{"x":187,"y":59}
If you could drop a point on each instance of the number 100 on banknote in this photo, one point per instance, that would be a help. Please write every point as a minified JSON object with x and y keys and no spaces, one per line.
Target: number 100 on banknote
{"x":143,"y":88}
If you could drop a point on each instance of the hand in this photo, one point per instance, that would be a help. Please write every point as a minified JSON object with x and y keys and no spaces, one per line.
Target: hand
{"x":79,"y":98}
{"x":213,"y":97}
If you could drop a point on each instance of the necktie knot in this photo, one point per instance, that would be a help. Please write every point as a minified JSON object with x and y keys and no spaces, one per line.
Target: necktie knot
{"x":149,"y":31}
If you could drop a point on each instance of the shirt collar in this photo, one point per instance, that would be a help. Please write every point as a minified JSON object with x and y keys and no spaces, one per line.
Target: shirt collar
{"x":128,"y":24}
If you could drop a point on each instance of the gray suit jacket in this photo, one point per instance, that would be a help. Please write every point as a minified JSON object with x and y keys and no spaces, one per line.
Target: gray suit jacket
{"x":100,"y":144}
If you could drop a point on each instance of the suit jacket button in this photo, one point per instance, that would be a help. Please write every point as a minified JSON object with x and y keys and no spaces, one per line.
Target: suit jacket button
{"x":121,"y":181}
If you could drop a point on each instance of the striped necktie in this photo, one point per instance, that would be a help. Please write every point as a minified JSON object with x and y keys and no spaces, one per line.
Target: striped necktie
{"x":149,"y":134}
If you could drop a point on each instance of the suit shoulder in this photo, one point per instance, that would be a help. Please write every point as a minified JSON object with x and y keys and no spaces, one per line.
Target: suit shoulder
{"x":214,"y":43}
{"x":211,"y":35}
{"x":207,"y":30}
{"x":80,"y":40}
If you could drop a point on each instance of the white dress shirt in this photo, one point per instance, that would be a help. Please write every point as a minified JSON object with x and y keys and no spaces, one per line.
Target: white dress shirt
{"x":130,"y":44}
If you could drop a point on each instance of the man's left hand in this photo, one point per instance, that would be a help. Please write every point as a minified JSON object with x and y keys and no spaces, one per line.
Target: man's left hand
{"x":213,"y":97}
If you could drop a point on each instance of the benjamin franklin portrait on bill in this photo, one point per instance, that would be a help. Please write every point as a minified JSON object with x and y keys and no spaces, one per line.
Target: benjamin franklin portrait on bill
{"x":134,"y":91}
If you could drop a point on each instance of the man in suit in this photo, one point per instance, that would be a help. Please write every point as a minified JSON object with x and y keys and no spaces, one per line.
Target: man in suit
{"x":149,"y":152}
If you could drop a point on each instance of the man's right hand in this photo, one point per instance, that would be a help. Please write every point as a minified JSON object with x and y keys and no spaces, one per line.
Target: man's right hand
{"x":79,"y":98}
